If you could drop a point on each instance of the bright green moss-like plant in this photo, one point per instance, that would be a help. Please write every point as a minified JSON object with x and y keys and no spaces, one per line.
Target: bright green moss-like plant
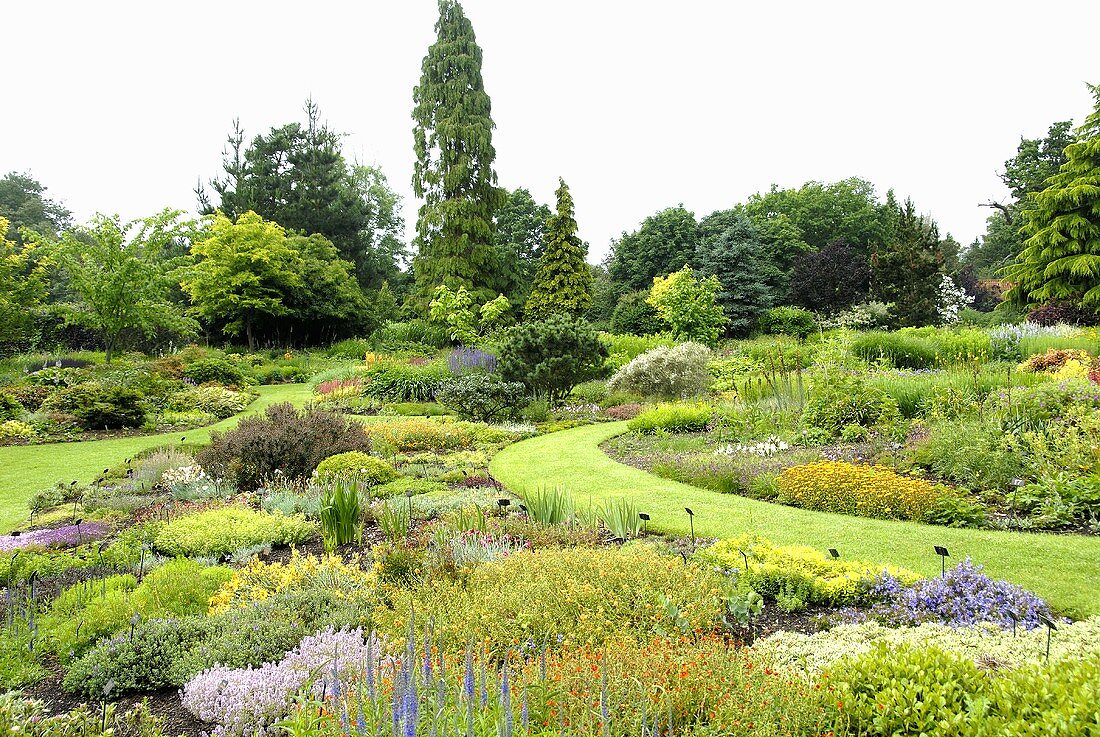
{"x":219,"y":532}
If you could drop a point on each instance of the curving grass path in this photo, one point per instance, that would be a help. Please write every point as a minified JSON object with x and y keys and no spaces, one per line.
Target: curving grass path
{"x":1064,"y":569}
{"x":25,"y":469}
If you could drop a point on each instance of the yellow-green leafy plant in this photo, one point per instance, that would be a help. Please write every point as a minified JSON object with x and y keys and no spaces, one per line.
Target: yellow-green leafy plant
{"x":573,"y":597}
{"x":354,"y":465}
{"x":777,"y":570}
{"x":225,"y":530}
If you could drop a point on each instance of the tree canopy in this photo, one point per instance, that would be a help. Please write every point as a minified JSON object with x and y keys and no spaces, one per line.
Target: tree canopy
{"x":664,"y":242}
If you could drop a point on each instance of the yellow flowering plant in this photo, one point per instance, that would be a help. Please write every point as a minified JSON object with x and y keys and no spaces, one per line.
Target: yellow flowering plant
{"x":857,"y":489}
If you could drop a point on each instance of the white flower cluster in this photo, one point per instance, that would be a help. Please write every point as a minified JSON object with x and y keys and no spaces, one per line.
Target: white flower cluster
{"x":183,"y":476}
{"x":952,"y":299}
{"x":767,"y":447}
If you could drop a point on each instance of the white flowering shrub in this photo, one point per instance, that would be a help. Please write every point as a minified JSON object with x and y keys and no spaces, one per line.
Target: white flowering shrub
{"x":677,"y":372}
{"x":951,"y":299}
{"x":987,"y":644}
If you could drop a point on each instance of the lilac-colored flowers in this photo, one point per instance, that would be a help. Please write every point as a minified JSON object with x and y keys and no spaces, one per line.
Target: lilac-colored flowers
{"x":464,"y":360}
{"x":249,"y":701}
{"x":964,"y":596}
{"x":58,"y":537}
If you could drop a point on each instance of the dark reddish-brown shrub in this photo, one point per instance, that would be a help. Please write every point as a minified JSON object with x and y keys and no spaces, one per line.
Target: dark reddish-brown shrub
{"x":282,"y":443}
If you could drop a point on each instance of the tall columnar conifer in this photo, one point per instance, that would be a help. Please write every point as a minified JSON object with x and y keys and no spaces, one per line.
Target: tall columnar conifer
{"x":454,"y":175}
{"x":563,"y":280}
{"x":1061,"y":256}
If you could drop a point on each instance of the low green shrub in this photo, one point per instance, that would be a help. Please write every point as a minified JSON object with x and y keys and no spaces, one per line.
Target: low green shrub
{"x":675,"y":417}
{"x":793,"y":321}
{"x":356,"y":465}
{"x":213,"y":400}
{"x":838,"y":401}
{"x":87,"y":611}
{"x":402,"y":382}
{"x":925,"y":690}
{"x":221,"y":531}
{"x":798,"y":571}
{"x":214,"y":370}
{"x":99,"y":407}
{"x":482,"y":397}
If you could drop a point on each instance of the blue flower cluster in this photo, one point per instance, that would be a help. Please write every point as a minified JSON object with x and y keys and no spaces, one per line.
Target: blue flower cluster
{"x":464,"y":360}
{"x":964,"y":596}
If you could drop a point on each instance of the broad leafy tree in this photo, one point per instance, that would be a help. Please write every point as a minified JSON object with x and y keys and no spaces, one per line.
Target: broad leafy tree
{"x":737,"y":259}
{"x":665,"y":242}
{"x":832,"y":279}
{"x":520,"y":226}
{"x":689,"y":306}
{"x":242,"y":275}
{"x":120,"y":279}
{"x":821,"y":213}
{"x":454,"y":174}
{"x":24,"y":204}
{"x":22,"y":288}
{"x":563,"y":280}
{"x":1061,"y":256}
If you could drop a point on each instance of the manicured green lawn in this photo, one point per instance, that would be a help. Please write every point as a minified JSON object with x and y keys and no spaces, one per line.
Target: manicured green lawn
{"x":25,"y":469}
{"x":1064,"y":569}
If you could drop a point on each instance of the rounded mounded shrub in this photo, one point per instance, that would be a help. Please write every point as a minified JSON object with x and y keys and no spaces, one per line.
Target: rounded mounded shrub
{"x":354,"y":465}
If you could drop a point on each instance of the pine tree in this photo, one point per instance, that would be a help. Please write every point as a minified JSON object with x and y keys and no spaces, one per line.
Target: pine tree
{"x":563,"y":281}
{"x":907,"y":270}
{"x":454,"y":172}
{"x":1061,"y":256}
{"x":736,"y":258}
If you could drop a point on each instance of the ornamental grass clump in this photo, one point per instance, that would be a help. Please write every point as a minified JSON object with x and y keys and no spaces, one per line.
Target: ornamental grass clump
{"x":861,"y":490}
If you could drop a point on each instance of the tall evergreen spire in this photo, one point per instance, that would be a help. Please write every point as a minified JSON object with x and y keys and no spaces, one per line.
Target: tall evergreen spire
{"x":454,"y":173}
{"x":563,"y":281}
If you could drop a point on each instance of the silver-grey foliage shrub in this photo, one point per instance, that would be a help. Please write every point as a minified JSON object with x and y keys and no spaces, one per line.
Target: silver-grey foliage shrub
{"x":676,"y":372}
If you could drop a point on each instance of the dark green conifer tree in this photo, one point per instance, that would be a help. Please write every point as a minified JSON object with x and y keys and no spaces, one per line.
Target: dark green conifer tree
{"x":744,"y":271}
{"x":454,"y":175}
{"x":563,"y":280}
{"x":1061,"y":256}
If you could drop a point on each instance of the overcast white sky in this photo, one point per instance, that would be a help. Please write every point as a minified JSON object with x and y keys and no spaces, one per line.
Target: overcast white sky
{"x":123,"y":106}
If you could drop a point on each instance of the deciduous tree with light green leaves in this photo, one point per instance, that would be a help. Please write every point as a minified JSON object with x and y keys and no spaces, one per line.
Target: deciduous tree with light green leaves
{"x":1061,"y":256}
{"x":454,"y":175}
{"x":689,"y":305}
{"x":563,"y":280}
{"x":242,"y":273}
{"x":22,"y":287}
{"x":121,"y":279}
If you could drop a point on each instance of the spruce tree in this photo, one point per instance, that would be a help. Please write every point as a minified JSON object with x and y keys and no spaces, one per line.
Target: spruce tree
{"x":736,"y":257}
{"x":563,"y":281}
{"x":454,"y":175}
{"x":1061,"y":256}
{"x":907,"y":270}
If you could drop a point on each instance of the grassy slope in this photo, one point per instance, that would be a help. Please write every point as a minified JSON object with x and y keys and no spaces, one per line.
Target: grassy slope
{"x":1065,"y":569}
{"x":24,"y":469}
